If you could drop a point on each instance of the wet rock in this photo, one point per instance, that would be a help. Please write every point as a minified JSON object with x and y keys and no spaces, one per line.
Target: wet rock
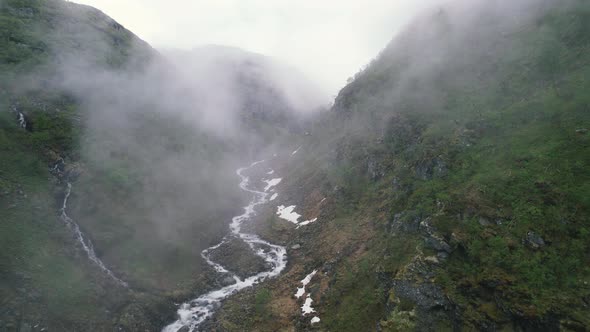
{"x":533,"y":240}
{"x":184,"y":329}
{"x":227,"y":280}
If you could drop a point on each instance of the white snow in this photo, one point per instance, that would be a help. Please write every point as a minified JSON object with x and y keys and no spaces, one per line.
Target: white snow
{"x":300,"y":292}
{"x":315,"y":320}
{"x":294,"y":152}
{"x":307,"y":222}
{"x":271,"y":172}
{"x":306,"y":307}
{"x":322,"y":200}
{"x":272,"y":183}
{"x":308,"y":277}
{"x":288,"y":214}
{"x":305,"y":281}
{"x":274,"y":196}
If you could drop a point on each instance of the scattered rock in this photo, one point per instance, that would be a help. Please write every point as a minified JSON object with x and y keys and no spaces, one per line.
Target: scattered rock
{"x":533,"y":240}
{"x":484,"y":221}
{"x":432,"y":259}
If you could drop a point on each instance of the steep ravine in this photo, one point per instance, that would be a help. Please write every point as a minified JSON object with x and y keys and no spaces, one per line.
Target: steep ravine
{"x":191,"y":314}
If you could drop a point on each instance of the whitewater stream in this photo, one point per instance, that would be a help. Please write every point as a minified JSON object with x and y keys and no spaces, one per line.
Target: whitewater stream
{"x":86,"y":243}
{"x":191,"y":314}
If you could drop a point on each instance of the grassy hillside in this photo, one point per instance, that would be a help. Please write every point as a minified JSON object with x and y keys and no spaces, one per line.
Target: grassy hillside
{"x":47,"y":281}
{"x":455,"y":169}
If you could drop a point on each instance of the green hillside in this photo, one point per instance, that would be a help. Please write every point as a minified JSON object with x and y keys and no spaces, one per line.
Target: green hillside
{"x":455,"y":168}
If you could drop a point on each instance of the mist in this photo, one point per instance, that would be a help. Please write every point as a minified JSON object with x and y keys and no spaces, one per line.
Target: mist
{"x":161,"y":136}
{"x":163,"y":154}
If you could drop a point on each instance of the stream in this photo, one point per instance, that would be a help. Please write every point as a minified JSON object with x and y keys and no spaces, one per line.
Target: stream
{"x":191,"y":314}
{"x":86,"y":243}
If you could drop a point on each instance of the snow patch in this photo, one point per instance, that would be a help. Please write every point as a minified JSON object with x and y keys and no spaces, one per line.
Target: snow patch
{"x":306,"y":308}
{"x":288,"y":213}
{"x":307,"y":222}
{"x":315,"y":320}
{"x":305,"y":281}
{"x":294,"y":152}
{"x":300,"y":292}
{"x":271,"y":172}
{"x":272,"y":183}
{"x":274,"y":196}
{"x":308,"y":277}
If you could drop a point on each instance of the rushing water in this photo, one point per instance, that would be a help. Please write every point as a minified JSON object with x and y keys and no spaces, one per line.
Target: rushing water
{"x":191,"y":314}
{"x":86,"y":243}
{"x":22,"y":121}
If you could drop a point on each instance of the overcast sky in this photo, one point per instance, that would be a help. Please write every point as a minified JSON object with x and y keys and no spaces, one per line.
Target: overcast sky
{"x":329,"y":40}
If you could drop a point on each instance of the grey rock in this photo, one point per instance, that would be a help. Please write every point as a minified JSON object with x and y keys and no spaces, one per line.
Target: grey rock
{"x":437,"y":244}
{"x":296,"y":246}
{"x":484,"y":221}
{"x":425,"y":295}
{"x":431,"y":168}
{"x":226,"y":281}
{"x":442,"y":256}
{"x":405,"y":222}
{"x":534,"y":241}
{"x":375,"y":170}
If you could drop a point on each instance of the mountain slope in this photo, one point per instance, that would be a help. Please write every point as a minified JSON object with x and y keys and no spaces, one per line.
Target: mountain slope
{"x":87,"y":105}
{"x":449,"y":183}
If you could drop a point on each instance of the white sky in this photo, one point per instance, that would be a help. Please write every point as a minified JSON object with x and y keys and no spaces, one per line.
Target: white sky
{"x":328,"y":40}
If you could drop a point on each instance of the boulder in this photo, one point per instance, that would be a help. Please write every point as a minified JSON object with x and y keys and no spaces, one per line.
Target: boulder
{"x":533,"y":240}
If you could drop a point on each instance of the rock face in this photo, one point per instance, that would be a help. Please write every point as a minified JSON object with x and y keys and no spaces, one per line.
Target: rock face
{"x":405,"y":222}
{"x":432,"y":168}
